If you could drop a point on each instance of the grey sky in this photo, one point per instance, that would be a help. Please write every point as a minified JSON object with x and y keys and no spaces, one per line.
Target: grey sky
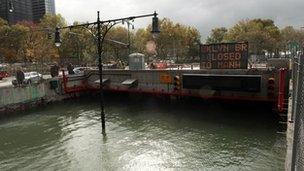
{"x":203,"y":14}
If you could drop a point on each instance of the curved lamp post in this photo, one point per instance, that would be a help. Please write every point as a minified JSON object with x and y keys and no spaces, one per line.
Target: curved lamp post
{"x":103,"y":28}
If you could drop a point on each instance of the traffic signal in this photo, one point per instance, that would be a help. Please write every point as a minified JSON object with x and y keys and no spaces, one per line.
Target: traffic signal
{"x":271,"y":87}
{"x":177,"y":83}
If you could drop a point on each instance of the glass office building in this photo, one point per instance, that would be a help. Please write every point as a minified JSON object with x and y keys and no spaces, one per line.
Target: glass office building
{"x":16,"y":10}
{"x":25,"y":10}
{"x":42,"y":7}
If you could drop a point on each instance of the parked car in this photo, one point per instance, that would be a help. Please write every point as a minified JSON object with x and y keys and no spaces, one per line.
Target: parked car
{"x":80,"y":70}
{"x":3,"y":72}
{"x":30,"y":77}
{"x":65,"y":72}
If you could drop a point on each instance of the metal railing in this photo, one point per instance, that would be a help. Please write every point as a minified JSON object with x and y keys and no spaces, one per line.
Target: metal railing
{"x":297,"y":115}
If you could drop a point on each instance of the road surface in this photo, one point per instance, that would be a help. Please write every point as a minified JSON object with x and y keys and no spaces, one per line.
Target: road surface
{"x":7,"y":82}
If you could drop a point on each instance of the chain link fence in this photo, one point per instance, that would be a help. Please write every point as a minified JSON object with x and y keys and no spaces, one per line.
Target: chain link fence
{"x":298,"y":113}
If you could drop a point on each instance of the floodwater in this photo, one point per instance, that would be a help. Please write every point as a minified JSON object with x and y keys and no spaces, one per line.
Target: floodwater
{"x":142,"y":134}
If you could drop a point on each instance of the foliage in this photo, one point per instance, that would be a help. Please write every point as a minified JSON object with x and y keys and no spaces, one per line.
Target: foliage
{"x":289,"y":36}
{"x":217,"y":35}
{"x":78,"y":45}
{"x":31,"y":42}
{"x":11,"y":41}
{"x":175,"y":41}
{"x":261,"y":34}
{"x":116,"y":44}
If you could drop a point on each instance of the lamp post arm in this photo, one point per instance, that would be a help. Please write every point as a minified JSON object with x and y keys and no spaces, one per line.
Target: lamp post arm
{"x":108,"y":21}
{"x":78,"y":25}
{"x":117,"y":42}
{"x":108,"y":28}
{"x":90,"y":31}
{"x":128,"y":18}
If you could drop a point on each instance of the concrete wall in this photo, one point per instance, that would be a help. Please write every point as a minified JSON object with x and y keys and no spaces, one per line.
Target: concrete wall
{"x":15,"y":95}
{"x":14,"y":99}
{"x":149,"y":80}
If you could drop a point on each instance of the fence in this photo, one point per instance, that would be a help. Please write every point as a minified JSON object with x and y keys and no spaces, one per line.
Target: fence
{"x":298,"y":113}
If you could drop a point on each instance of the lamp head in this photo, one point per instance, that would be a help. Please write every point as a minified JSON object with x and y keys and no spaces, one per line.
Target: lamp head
{"x":10,"y":7}
{"x":57,"y":37}
{"x":155,"y":27}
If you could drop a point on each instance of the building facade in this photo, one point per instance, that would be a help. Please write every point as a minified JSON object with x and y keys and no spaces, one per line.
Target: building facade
{"x":42,"y":7}
{"x":16,"y":10}
{"x":25,"y":10}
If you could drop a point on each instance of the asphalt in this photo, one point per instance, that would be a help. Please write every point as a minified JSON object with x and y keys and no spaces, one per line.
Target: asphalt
{"x":7,"y":82}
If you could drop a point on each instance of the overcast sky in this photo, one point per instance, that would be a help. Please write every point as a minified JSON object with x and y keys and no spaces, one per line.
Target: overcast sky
{"x":203,"y":14}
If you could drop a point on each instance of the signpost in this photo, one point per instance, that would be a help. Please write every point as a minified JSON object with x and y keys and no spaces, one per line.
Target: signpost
{"x":224,"y":56}
{"x":165,"y":78}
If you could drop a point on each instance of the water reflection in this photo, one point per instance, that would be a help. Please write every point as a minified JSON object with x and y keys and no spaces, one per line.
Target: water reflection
{"x":141,"y":134}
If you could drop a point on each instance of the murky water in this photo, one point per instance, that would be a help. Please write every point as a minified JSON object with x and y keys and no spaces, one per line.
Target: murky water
{"x":141,"y":135}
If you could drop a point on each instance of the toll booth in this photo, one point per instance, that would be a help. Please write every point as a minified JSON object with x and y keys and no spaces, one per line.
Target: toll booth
{"x":137,"y":61}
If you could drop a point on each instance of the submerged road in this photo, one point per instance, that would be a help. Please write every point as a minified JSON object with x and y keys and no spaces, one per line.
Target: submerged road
{"x":142,"y":134}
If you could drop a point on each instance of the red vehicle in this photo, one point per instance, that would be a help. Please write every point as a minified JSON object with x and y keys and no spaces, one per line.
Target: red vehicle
{"x":3,"y":72}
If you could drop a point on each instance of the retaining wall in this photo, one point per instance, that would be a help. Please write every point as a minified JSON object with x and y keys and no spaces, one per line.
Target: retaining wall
{"x":18,"y":99}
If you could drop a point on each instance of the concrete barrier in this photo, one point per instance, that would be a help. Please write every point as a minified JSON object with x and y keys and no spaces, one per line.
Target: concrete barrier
{"x":15,"y":95}
{"x":154,"y":82}
{"x":14,"y":99}
{"x":158,"y":82}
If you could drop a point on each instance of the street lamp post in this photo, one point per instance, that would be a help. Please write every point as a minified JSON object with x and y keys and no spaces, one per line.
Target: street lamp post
{"x":99,"y":49}
{"x":103,"y":28}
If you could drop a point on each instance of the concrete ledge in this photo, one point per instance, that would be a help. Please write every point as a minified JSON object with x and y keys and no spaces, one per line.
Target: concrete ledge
{"x":289,"y":133}
{"x":15,"y":99}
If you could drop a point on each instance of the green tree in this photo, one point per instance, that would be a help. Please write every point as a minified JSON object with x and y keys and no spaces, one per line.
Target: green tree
{"x":217,"y":35}
{"x":116,"y":44}
{"x":262,"y":34}
{"x":289,"y":36}
{"x":175,"y":40}
{"x":11,"y":41}
{"x":45,"y":49}
{"x":140,"y":39}
{"x":3,"y":22}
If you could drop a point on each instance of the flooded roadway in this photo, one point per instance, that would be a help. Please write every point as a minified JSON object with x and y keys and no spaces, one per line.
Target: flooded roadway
{"x":141,"y":135}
